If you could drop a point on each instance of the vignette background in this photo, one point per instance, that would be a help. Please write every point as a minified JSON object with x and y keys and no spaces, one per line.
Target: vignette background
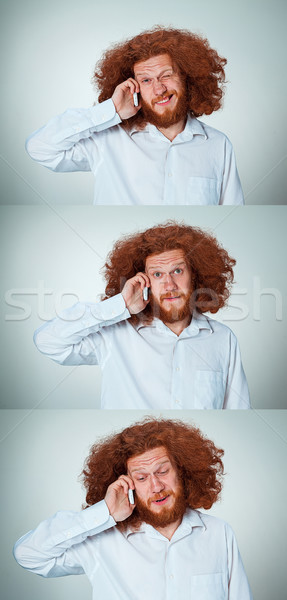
{"x":49,"y":50}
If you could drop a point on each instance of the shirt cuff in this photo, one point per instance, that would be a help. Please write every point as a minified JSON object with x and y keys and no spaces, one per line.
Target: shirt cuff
{"x":97,"y":516}
{"x":111,"y":310}
{"x":104,"y":115}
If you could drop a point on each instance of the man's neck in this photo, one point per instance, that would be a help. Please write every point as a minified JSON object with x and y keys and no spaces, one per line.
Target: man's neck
{"x":169,"y":530}
{"x":179,"y":326}
{"x":171,"y":132}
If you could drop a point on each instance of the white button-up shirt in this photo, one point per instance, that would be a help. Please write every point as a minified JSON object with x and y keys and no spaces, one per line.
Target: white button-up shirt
{"x":200,"y":562}
{"x":149,"y":366}
{"x":140,"y":166}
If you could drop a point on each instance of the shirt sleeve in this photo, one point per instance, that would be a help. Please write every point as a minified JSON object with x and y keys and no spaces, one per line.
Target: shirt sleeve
{"x":63,"y":144}
{"x":53,"y":549}
{"x":231,"y":190}
{"x":75,"y":337}
{"x":237,"y":393}
{"x":238,"y":586}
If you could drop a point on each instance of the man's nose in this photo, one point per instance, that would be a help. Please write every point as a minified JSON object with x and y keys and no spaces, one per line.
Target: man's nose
{"x":169,"y":282}
{"x":156,"y":484}
{"x":159,"y":87}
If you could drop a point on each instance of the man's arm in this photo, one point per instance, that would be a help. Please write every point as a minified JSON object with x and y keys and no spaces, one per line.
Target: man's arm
{"x":48,"y":550}
{"x":75,"y":337}
{"x":231,"y":190}
{"x":64,"y":143}
{"x":52,"y":549}
{"x":236,"y":394}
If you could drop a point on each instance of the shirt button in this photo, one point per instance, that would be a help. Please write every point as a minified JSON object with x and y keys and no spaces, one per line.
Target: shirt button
{"x":177,"y":368}
{"x":177,"y":401}
{"x":169,"y":174}
{"x":171,"y":576}
{"x":68,"y":534}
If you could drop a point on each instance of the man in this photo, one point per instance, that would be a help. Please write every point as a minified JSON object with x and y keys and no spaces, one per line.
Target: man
{"x":142,"y":140}
{"x":160,"y":352}
{"x":156,"y":545}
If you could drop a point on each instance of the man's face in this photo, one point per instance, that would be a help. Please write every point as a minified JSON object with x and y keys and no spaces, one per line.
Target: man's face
{"x":171,"y":285}
{"x":159,"y":495}
{"x":163,"y":97}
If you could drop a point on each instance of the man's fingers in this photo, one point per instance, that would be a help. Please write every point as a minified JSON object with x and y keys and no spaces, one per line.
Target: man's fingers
{"x":128,"y":481}
{"x":121,"y":485}
{"x":147,"y":279}
{"x":143,"y":279}
{"x":118,"y":498}
{"x":127,"y":485}
{"x":123,"y":98}
{"x":130,"y":85}
{"x":133,"y":291}
{"x":134,"y":86}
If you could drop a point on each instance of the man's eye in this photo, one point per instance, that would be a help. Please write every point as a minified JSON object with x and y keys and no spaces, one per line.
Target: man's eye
{"x":178,"y":271}
{"x":157,"y":274}
{"x":145,"y":80}
{"x":162,"y":472}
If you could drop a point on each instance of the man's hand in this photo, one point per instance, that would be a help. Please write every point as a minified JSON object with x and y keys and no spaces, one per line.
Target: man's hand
{"x":123,"y":98}
{"x":117,"y":499}
{"x":132,"y":293}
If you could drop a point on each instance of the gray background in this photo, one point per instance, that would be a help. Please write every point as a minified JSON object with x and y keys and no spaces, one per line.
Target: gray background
{"x":42,"y":455}
{"x":65,"y":249}
{"x":49,"y":50}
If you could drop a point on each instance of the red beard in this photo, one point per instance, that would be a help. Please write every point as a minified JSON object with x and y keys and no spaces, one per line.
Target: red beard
{"x":170,"y":116}
{"x":173,"y":314}
{"x":166,"y":516}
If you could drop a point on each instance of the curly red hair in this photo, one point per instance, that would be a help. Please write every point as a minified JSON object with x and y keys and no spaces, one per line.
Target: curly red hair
{"x":200,"y":66}
{"x":211,"y":266}
{"x":196,"y":458}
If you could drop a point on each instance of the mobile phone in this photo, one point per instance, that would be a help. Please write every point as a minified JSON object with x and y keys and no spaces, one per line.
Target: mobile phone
{"x":131,"y":496}
{"x":136,"y":100}
{"x":145,"y":293}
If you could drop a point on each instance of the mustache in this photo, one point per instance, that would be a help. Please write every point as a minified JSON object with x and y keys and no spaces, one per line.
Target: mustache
{"x":172,"y":295}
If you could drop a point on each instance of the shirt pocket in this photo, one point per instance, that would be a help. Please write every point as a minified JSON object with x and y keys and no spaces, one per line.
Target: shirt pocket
{"x":209,"y":389}
{"x":201,"y":190}
{"x":207,"y":587}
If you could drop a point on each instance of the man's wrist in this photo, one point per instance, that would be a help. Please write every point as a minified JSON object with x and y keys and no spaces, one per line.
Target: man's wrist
{"x":109,"y":509}
{"x":126,"y":303}
{"x":104,"y":114}
{"x":117,"y":109}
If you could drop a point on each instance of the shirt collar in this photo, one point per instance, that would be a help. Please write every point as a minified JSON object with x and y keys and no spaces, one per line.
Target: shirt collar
{"x":198,"y":322}
{"x":192,"y":127}
{"x":190,"y":519}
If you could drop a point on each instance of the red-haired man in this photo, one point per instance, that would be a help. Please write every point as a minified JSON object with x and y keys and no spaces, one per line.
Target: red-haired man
{"x":155,"y":346}
{"x":142,"y":141}
{"x":153,"y":544}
